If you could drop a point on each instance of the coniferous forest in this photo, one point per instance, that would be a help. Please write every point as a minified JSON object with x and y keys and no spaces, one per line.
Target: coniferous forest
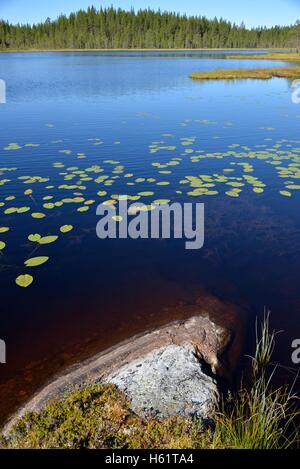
{"x":112,"y":28}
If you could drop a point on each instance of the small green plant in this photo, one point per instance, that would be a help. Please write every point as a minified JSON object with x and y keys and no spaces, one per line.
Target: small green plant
{"x":259,"y":417}
{"x":265,"y":343}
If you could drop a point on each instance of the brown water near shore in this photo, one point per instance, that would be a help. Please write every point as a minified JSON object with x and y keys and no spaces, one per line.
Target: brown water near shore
{"x":64,"y":345}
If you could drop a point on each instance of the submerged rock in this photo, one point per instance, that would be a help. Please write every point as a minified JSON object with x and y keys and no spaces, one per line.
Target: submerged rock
{"x":168,"y":381}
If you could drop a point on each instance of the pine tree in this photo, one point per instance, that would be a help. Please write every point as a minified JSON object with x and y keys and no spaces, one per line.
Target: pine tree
{"x":117,"y":28}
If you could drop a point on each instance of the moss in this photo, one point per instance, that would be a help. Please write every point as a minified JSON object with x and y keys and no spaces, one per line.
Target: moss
{"x":256,"y":73}
{"x":98,"y":416}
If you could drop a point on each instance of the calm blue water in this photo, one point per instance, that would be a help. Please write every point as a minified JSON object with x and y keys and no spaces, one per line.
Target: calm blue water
{"x":115,"y":114}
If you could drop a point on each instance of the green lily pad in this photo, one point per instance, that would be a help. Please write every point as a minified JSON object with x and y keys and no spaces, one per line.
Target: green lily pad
{"x":145,"y":194}
{"x":23,"y":209}
{"x":66,"y":228}
{"x":34,"y":238}
{"x":286,"y":193}
{"x":38,"y":215}
{"x":24,"y":280}
{"x":47,"y":239}
{"x":10,"y":211}
{"x":36,"y":261}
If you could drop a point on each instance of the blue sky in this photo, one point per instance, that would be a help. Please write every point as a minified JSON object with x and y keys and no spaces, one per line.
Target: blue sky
{"x":252,"y":12}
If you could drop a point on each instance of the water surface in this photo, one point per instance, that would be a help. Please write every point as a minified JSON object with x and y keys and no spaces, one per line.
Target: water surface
{"x":79,"y":124}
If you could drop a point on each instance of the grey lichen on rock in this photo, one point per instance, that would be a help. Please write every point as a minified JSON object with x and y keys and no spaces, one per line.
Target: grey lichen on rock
{"x":168,"y":382}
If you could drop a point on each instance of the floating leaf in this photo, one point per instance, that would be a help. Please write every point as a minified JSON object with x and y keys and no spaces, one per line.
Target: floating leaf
{"x":286,"y":193}
{"x":28,"y":192}
{"x":66,"y":228}
{"x":23,"y":209}
{"x":232,"y":194}
{"x":38,"y":215}
{"x":36,"y":261}
{"x":2,"y":245}
{"x":34,"y":238}
{"x":47,"y":239}
{"x":10,"y":210}
{"x":49,"y":205}
{"x":13,"y":146}
{"x":24,"y":280}
{"x":146,"y":194}
{"x":4,"y":229}
{"x":161,"y":201}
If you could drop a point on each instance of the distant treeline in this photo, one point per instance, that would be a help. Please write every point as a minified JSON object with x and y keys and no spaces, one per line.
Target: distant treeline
{"x":117,"y":28}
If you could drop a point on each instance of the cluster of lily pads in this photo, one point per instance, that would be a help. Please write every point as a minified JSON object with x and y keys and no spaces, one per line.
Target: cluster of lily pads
{"x":168,"y":158}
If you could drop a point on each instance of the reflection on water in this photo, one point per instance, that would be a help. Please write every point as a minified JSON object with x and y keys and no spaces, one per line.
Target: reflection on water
{"x":79,"y":129}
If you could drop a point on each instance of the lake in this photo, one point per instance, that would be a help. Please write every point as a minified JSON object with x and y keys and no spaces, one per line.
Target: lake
{"x":82,"y":128}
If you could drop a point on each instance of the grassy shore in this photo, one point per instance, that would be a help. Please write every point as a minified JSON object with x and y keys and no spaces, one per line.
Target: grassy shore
{"x":127,"y":50}
{"x":283,"y":56}
{"x":256,"y":73}
{"x":99,"y":416}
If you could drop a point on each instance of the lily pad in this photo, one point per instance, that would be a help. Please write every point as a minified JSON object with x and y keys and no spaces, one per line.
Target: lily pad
{"x":146,"y":194}
{"x":24,"y":280}
{"x":34,"y":238}
{"x":38,"y":215}
{"x":66,"y":228}
{"x":36,"y":261}
{"x":47,"y":239}
{"x":83,"y":209}
{"x":286,"y":193}
{"x":23,"y":209}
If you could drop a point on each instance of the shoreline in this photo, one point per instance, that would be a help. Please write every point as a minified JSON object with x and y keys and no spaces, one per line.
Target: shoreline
{"x":142,"y":50}
{"x":104,"y":363}
{"x":22,"y":380}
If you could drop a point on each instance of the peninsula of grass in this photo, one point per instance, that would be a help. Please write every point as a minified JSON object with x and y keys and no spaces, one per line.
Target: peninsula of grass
{"x":252,"y":73}
{"x":283,"y":56}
